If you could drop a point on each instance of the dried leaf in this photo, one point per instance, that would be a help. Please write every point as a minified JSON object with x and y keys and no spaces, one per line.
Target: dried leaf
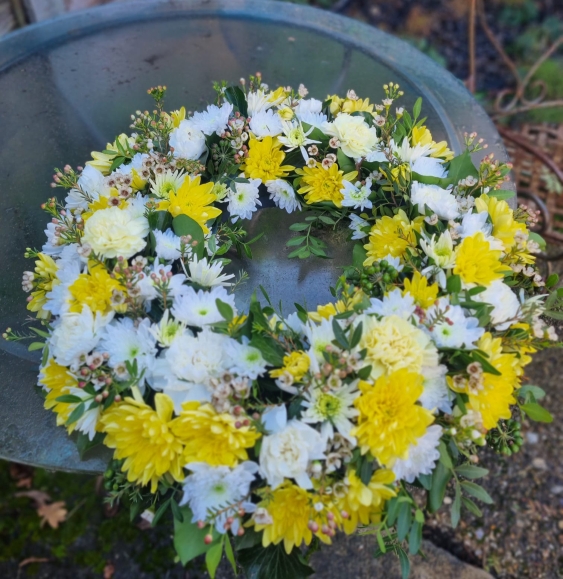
{"x":52,"y":514}
{"x":109,"y":570}
{"x":38,"y":497}
{"x":31,"y":560}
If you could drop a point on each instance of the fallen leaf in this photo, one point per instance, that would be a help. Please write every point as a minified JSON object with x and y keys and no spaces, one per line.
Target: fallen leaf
{"x":24,"y":483}
{"x":52,"y":514}
{"x":109,"y":570}
{"x":39,"y":497}
{"x":22,"y":474}
{"x":31,"y":560}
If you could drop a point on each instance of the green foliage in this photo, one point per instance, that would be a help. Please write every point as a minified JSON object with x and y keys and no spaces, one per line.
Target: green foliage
{"x":273,"y":563}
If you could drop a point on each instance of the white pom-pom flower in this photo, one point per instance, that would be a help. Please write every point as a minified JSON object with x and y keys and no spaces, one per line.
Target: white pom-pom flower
{"x":213,"y":120}
{"x":188,"y":141}
{"x":422,"y":456}
{"x":167,"y":244}
{"x":266,"y":124}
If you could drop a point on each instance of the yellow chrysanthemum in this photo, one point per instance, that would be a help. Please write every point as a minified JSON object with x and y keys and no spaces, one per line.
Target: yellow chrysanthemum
{"x":393,"y":344}
{"x":95,"y":290}
{"x":143,"y":436}
{"x":523,"y":347}
{"x":392,"y":236}
{"x":44,"y":281}
{"x":476,"y":262}
{"x":211,"y":437}
{"x":335,"y":103}
{"x":58,"y":381}
{"x":390,"y":420}
{"x":352,"y":106}
{"x":423,"y":294}
{"x":422,"y":136}
{"x":319,"y":184}
{"x":194,"y":200}
{"x":297,"y":364}
{"x":104,"y":203}
{"x":364,"y":503}
{"x":103,"y":161}
{"x":265,"y":160}
{"x":286,"y":113}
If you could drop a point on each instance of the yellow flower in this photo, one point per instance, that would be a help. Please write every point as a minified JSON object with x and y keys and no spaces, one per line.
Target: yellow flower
{"x":392,"y":236}
{"x":95,"y":290}
{"x":390,"y":420}
{"x":335,"y":103}
{"x":103,"y":161}
{"x":352,"y":106}
{"x":194,"y":200}
{"x":364,"y":503}
{"x":319,"y":184}
{"x":103,"y":203}
{"x":393,"y":343}
{"x":291,"y":509}
{"x":58,"y":381}
{"x":476,"y":262}
{"x":422,"y":136}
{"x":178,"y":116}
{"x":45,"y":279}
{"x":297,"y":364}
{"x":424,"y":295}
{"x":265,"y":160}
{"x":286,"y":113}
{"x":211,"y":437}
{"x":143,"y":437}
{"x":278,"y":95}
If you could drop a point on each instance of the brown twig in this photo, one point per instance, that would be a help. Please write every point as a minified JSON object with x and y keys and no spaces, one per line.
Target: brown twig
{"x":471,"y":81}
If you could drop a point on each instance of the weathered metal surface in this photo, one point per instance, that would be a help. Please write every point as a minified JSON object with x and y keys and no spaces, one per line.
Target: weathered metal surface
{"x":68,"y":86}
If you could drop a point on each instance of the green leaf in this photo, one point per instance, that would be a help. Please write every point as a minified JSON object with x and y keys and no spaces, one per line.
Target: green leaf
{"x":76,"y":414}
{"x":225,"y":310}
{"x":230,"y":555}
{"x":404,"y":520}
{"x":453,"y":284}
{"x":471,"y":506}
{"x":471,"y":471}
{"x":327,"y":220}
{"x":273,"y":562}
{"x":345,"y":163}
{"x":487,"y":366}
{"x":160,"y":512}
{"x":339,"y":335}
{"x":445,"y":458}
{"x":235,"y":96}
{"x":301,"y":252}
{"x":270,"y":350}
{"x":456,"y":506}
{"x":425,"y":480}
{"x":536,"y":412}
{"x":537,"y":392}
{"x":160,"y":220}
{"x":404,"y":562}
{"x":502,"y":194}
{"x":356,"y":336}
{"x":417,"y":108}
{"x":552,"y":280}
{"x":296,"y":240}
{"x":298,"y":226}
{"x":359,"y":255}
{"x":380,"y":541}
{"x":364,"y":373}
{"x":69,"y":399}
{"x":477,"y":491}
{"x":415,"y":538}
{"x":84,"y":444}
{"x":184,"y":225}
{"x":461,"y":167}
{"x":189,"y":538}
{"x":440,"y":478}
{"x":35,"y":346}
{"x":538,"y":239}
{"x":213,"y":558}
{"x":176,"y":511}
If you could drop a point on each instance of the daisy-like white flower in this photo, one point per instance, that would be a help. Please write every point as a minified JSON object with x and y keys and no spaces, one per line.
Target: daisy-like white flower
{"x":209,"y":490}
{"x":207,"y":274}
{"x":283,"y":195}
{"x":422,"y":456}
{"x":408,"y":154}
{"x":393,"y":304}
{"x":167,"y":182}
{"x":449,"y":326}
{"x":316,"y":120}
{"x":356,"y":195}
{"x":506,"y":307}
{"x":91,"y":186}
{"x":266,"y":123}
{"x":319,"y":336}
{"x":294,"y":136}
{"x":244,"y":359}
{"x":441,"y":201}
{"x":359,"y":226}
{"x":436,"y":394}
{"x":167,"y":330}
{"x":333,"y":409}
{"x":243,"y":200}
{"x":429,"y":167}
{"x":187,"y":141}
{"x":441,"y":250}
{"x":213,"y":120}
{"x":199,"y":308}
{"x":258,"y":102}
{"x":167,"y":244}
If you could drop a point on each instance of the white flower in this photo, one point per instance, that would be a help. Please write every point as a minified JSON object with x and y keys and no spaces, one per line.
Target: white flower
{"x":70,"y":266}
{"x":219,"y":488}
{"x":188,"y":141}
{"x":125,"y":343}
{"x":408,"y":154}
{"x":506,"y":307}
{"x":357,"y":225}
{"x":208,"y":274}
{"x":283,"y":195}
{"x":393,"y":304}
{"x":199,"y":308}
{"x":257,"y":102}
{"x":91,"y":186}
{"x":266,"y":123}
{"x":441,"y":251}
{"x":356,"y":196}
{"x":440,"y":201}
{"x":244,"y":359}
{"x":473,"y":223}
{"x":422,"y":456}
{"x":135,"y":163}
{"x":333,"y":409}
{"x":76,"y":335}
{"x":167,"y":330}
{"x":289,"y":448}
{"x":295,"y":136}
{"x":293,"y":323}
{"x":52,"y":245}
{"x":243,"y":200}
{"x":319,"y":336}
{"x":428,"y":167}
{"x":166,"y":183}
{"x":357,"y":139}
{"x":116,"y":232}
{"x":450,"y":328}
{"x":89,"y":420}
{"x":308,"y":106}
{"x":146,"y":285}
{"x":436,"y":394}
{"x":167,"y":244}
{"x":213,"y":120}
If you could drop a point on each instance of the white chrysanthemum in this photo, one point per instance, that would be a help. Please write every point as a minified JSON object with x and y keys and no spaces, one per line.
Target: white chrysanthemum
{"x":333,"y":409}
{"x":266,"y":124}
{"x":167,"y":244}
{"x":450,"y":328}
{"x":167,"y":182}
{"x":283,"y":195}
{"x":356,"y":196}
{"x":257,"y":102}
{"x":504,"y":301}
{"x":357,"y":225}
{"x":116,"y":232}
{"x":135,"y":163}
{"x":213,"y":120}
{"x":88,"y":422}
{"x":293,"y":322}
{"x":70,"y":266}
{"x":356,"y":137}
{"x":308,"y":106}
{"x":429,"y":167}
{"x":319,"y":337}
{"x":125,"y":343}
{"x":408,"y":154}
{"x":473,"y":223}
{"x":91,"y":186}
{"x":295,"y":136}
{"x":393,"y":304}
{"x":76,"y":335}
{"x":441,"y":201}
{"x":244,"y":359}
{"x":243,"y":200}
{"x":289,"y":448}
{"x":422,"y":456}
{"x":52,"y":246}
{"x":167,"y":330}
{"x":316,"y":120}
{"x":208,"y":274}
{"x":212,"y":489}
{"x":436,"y":394}
{"x":146,"y":285}
{"x":188,"y":141}
{"x":199,"y":308}
{"x":441,"y":250}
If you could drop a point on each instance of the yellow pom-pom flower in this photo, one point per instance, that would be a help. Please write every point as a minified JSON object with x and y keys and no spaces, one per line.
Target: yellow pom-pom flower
{"x":390,"y":419}
{"x":297,"y":364}
{"x":143,"y":436}
{"x":476,"y":262}
{"x":95,"y":290}
{"x":423,"y":294}
{"x":319,"y":184}
{"x":211,"y":437}
{"x":58,"y":381}
{"x":45,"y":279}
{"x":194,"y":200}
{"x":265,"y":160}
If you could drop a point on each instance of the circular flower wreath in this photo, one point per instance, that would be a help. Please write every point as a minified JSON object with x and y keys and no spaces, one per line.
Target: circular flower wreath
{"x":263,"y":433}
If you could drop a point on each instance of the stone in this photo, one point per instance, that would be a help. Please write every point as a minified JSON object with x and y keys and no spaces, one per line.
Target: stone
{"x":532,"y":437}
{"x":539,"y":463}
{"x":556,"y":489}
